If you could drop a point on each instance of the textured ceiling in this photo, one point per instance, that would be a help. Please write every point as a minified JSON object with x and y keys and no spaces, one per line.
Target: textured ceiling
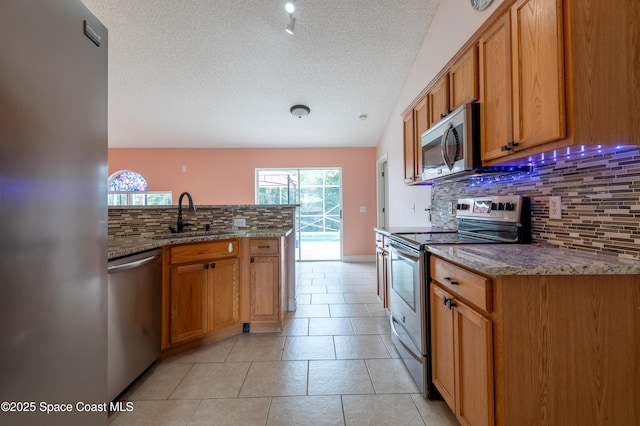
{"x":212,"y":73}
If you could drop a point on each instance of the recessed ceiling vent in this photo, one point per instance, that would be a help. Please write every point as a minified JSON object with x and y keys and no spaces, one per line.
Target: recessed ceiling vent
{"x":300,"y":111}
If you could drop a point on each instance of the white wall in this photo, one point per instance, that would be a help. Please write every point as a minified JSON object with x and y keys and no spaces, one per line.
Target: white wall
{"x":454,"y":23}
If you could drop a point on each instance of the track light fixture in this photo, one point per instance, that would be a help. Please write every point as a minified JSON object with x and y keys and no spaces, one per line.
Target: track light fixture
{"x":291,"y":25}
{"x":290,"y":7}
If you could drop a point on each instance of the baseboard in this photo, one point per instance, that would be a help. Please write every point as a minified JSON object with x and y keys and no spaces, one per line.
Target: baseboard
{"x":359,"y":259}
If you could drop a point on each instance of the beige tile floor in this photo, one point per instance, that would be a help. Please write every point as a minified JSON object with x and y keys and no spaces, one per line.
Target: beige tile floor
{"x":333,"y":364}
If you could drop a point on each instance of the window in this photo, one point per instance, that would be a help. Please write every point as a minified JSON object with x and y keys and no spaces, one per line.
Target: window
{"x":129,"y":188}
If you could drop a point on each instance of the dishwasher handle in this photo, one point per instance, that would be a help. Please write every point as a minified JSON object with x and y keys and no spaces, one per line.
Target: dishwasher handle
{"x":132,"y":265}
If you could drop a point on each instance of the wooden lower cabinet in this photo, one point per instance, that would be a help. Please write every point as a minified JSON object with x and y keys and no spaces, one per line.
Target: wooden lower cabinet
{"x":462,"y":358}
{"x":205,"y":297}
{"x":547,"y":350}
{"x":223,"y":294}
{"x":188,"y":290}
{"x":212,"y":291}
{"x":201,"y":290}
{"x":266,"y":286}
{"x":264,"y":283}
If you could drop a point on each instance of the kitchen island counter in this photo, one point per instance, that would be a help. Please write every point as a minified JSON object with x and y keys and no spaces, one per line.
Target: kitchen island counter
{"x":533,"y":259}
{"x":124,"y":246}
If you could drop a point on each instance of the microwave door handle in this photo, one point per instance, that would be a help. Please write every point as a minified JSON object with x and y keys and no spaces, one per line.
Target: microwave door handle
{"x":443,"y":147}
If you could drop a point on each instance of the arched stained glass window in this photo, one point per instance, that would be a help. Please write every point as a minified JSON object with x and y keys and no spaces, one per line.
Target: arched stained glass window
{"x":127,"y":180}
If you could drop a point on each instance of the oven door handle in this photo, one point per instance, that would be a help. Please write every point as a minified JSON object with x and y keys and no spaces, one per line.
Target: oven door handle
{"x":409,"y":254}
{"x":399,"y":339}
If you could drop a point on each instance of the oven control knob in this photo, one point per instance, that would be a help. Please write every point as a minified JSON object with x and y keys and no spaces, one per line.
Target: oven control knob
{"x":494,"y":206}
{"x":462,"y":206}
{"x":509,"y":206}
{"x":500,"y":206}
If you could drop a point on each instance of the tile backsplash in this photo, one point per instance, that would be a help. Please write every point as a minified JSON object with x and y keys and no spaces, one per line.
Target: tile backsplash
{"x":600,"y":201}
{"x":147,"y":221}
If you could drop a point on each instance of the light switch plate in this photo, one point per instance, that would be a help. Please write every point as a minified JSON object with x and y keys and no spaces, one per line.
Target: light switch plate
{"x":239,"y":221}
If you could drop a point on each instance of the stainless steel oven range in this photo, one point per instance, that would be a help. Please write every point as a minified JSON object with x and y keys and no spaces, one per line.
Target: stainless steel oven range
{"x":481,"y":220}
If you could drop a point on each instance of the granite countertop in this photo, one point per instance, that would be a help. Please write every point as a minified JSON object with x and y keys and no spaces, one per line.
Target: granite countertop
{"x":533,"y":259}
{"x":124,"y":246}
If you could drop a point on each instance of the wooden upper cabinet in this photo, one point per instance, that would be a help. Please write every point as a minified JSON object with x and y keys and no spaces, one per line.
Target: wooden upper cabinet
{"x":603,"y":76}
{"x":416,"y":122}
{"x":522,"y":79}
{"x":409,"y":148}
{"x":463,"y":79}
{"x":538,"y":72}
{"x":421,"y":123}
{"x":438,"y":100}
{"x":495,"y":89}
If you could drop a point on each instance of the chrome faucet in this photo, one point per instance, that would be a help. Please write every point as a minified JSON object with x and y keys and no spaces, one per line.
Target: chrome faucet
{"x":180,"y":225}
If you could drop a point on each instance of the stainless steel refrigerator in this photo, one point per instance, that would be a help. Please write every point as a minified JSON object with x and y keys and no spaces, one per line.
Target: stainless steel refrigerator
{"x":53,"y":213}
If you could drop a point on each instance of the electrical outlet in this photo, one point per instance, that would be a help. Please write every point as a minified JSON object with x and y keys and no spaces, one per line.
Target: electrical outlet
{"x":239,"y":221}
{"x":555,"y":207}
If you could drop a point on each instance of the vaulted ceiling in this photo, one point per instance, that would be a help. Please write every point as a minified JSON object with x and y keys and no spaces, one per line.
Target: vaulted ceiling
{"x":212,"y":73}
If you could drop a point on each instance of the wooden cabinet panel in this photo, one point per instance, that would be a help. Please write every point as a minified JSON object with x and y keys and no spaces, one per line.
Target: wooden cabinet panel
{"x":522,"y":90}
{"x":203,"y":251}
{"x":461,"y":353}
{"x":603,"y":76}
{"x":538,"y":72}
{"x":495,"y":89}
{"x":421,"y":122}
{"x":466,"y":284}
{"x":203,"y":290}
{"x":223,"y":294}
{"x":463,"y":79}
{"x":409,"y":148}
{"x":473,"y":366}
{"x":438,"y":100}
{"x":188,"y":291}
{"x":264,"y":246}
{"x":265,"y":288}
{"x":442,"y":345}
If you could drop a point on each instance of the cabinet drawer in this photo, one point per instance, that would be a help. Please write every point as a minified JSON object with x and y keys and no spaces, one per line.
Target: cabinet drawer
{"x":463,"y":283}
{"x":264,"y":246}
{"x":203,"y":251}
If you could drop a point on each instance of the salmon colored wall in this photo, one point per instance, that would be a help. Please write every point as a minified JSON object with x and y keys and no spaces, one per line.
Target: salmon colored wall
{"x":227,"y":176}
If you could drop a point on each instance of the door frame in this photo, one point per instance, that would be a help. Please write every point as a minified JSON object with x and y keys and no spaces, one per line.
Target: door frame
{"x":298,"y":248}
{"x":382,"y":191}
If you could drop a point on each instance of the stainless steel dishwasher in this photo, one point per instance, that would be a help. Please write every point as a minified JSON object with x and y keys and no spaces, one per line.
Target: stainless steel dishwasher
{"x":134,"y":298}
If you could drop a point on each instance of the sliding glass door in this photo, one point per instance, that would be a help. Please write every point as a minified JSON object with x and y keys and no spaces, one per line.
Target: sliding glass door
{"x":319,"y":217}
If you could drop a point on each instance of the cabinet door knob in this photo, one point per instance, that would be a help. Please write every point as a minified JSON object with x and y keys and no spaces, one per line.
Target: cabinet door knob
{"x":252,"y":260}
{"x":206,"y":266}
{"x":448,"y":302}
{"x":213,"y":265}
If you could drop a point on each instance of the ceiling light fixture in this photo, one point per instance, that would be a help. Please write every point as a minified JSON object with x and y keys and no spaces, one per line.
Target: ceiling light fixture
{"x":300,"y":111}
{"x":291,"y":25}
{"x":290,"y":7}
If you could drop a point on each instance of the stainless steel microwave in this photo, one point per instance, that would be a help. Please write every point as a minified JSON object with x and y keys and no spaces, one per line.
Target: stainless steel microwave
{"x":451,"y":148}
